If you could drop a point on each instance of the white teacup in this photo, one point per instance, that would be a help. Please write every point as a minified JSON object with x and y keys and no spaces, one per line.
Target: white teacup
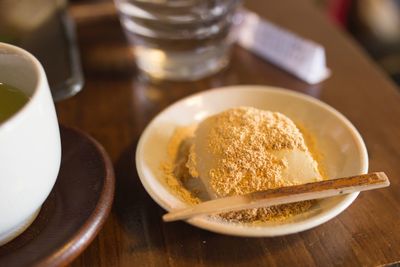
{"x":30,"y":147}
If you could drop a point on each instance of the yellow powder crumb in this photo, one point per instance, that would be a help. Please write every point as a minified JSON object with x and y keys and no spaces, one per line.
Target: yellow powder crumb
{"x":247,"y":126}
{"x":176,"y":185}
{"x":244,"y":138}
{"x":273,"y":213}
{"x":174,"y":169}
{"x":240,"y":141}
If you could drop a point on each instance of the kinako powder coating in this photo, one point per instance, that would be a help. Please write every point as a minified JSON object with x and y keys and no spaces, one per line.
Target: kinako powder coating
{"x":244,"y":135}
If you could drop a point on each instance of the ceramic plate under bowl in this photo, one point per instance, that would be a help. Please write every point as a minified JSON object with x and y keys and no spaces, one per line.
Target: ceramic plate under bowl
{"x":75,"y":210}
{"x":342,"y":148}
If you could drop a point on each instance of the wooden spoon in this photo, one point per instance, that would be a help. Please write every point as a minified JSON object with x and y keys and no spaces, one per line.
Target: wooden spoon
{"x":283,"y":195}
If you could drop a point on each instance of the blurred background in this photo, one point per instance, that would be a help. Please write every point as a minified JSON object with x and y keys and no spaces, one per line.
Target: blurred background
{"x":375,"y":24}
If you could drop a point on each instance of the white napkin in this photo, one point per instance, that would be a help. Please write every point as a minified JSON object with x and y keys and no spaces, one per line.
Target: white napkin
{"x":301,"y":57}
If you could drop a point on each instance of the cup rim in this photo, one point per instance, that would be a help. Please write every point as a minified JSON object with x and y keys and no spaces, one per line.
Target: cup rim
{"x":41,"y":78}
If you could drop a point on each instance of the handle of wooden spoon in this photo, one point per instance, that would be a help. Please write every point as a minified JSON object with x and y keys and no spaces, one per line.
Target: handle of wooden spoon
{"x":283,"y":195}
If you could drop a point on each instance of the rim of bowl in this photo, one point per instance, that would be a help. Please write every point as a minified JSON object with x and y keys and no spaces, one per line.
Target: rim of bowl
{"x":40,"y":81}
{"x":257,"y":231}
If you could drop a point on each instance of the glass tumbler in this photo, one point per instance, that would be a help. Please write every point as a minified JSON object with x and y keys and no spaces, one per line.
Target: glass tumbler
{"x":179,"y":39}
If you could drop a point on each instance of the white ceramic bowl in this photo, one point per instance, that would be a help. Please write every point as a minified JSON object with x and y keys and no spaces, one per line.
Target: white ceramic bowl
{"x":343,"y":150}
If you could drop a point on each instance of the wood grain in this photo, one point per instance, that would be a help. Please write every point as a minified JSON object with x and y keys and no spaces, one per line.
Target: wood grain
{"x":116,"y":104}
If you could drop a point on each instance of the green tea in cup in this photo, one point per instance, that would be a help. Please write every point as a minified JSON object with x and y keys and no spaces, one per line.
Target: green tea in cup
{"x":11,"y":100}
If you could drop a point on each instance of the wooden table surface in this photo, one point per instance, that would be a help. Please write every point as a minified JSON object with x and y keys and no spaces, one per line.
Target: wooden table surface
{"x":116,"y":104}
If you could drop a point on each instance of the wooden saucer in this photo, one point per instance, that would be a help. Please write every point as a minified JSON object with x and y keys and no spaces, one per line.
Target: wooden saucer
{"x":75,"y":210}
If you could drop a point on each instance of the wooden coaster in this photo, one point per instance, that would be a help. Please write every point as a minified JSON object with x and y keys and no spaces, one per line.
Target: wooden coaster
{"x":75,"y":210}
